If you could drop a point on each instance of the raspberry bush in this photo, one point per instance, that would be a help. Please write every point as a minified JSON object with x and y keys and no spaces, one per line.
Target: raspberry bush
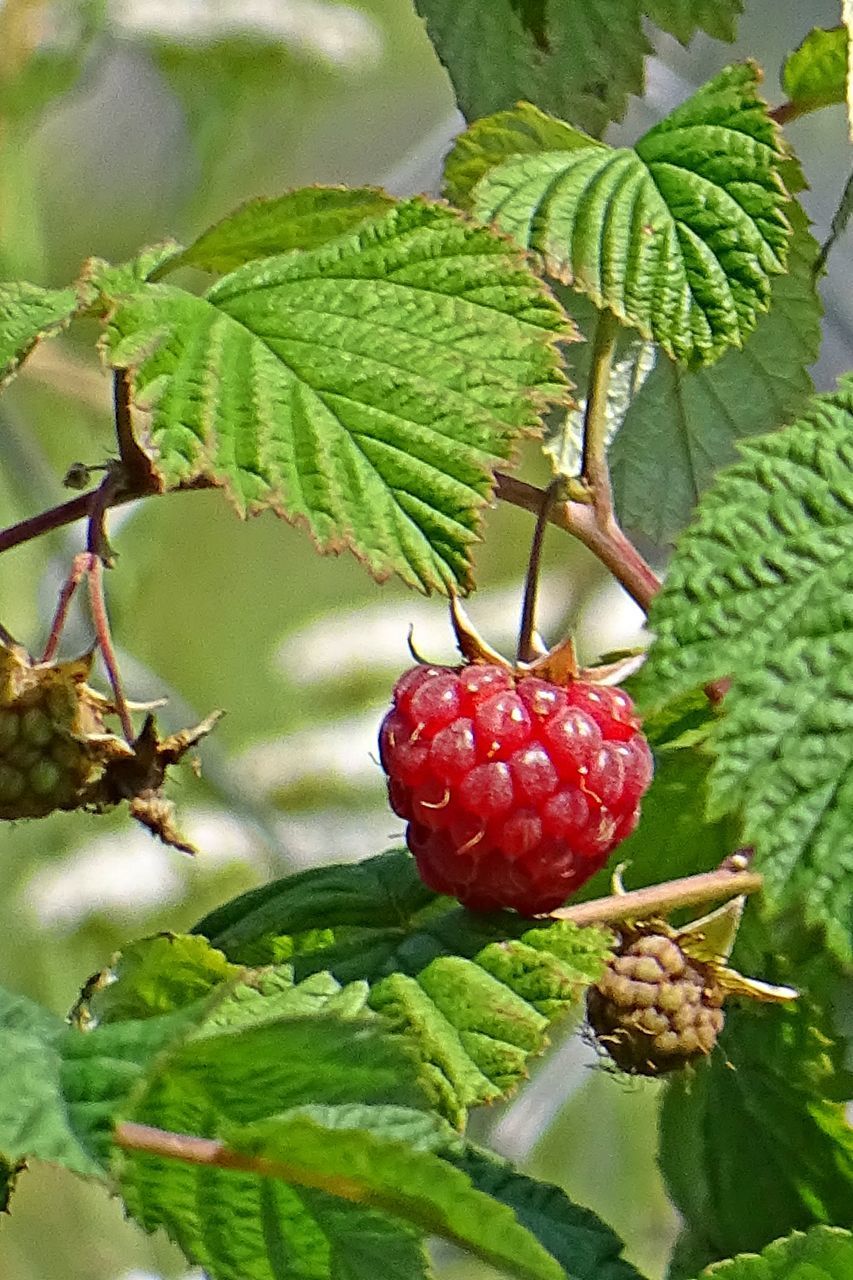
{"x":614,"y":343}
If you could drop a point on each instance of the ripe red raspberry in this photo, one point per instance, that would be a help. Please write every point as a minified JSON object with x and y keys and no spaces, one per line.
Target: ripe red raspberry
{"x":515,"y":790}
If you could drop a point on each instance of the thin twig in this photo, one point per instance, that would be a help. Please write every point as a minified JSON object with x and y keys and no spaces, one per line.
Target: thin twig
{"x":526,"y":650}
{"x":105,"y":643}
{"x":594,"y":469}
{"x":80,"y":566}
{"x":615,"y":551}
{"x":662,"y":899}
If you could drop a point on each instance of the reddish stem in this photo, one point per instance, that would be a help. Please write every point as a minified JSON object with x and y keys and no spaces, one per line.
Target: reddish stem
{"x":606,"y":541}
{"x":105,"y":643}
{"x":80,"y":566}
{"x":46,"y":521}
{"x":526,"y":649}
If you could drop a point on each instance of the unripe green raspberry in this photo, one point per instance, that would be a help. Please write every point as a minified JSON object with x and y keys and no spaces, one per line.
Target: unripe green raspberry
{"x":655,"y":1008}
{"x":53,"y":740}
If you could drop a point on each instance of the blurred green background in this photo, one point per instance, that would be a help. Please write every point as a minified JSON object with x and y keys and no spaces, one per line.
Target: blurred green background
{"x":127,"y":122}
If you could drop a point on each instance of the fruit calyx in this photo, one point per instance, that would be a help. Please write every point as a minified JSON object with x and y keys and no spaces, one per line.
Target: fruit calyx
{"x":557,"y":665}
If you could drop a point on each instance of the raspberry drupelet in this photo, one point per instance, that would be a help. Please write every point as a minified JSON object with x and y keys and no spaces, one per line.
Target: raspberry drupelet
{"x":515,"y":790}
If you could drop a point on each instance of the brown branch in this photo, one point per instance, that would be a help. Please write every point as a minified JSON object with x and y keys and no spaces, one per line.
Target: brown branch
{"x":661,"y":899}
{"x":610,"y":545}
{"x":46,"y":521}
{"x":207,"y":1151}
{"x":100,"y":617}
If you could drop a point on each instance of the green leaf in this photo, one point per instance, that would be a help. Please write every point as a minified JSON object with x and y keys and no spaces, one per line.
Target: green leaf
{"x":682,"y":18}
{"x":242,"y":1225}
{"x":366,"y":388}
{"x":29,"y":313}
{"x":303,"y":219}
{"x":390,"y":1159}
{"x":815,"y":74}
{"x":584,"y":1245}
{"x":758,"y":1114}
{"x":758,"y":590}
{"x":380,"y":893}
{"x":525,"y":130}
{"x":679,"y":236}
{"x":824,"y":1253}
{"x":682,"y":426}
{"x":579,"y":59}
{"x":100,"y":1069}
{"x":153,"y":976}
{"x":33,"y":1120}
{"x":474,"y":994}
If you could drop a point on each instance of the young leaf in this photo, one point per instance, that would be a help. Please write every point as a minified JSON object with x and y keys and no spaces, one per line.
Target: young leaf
{"x":682,"y":426}
{"x":29,"y":313}
{"x":475,"y":995}
{"x":584,"y":1245}
{"x":758,"y":590}
{"x":679,"y":236}
{"x":366,"y":388}
{"x":303,"y":219}
{"x":815,"y":74}
{"x":823,"y":1253}
{"x":154,"y":976}
{"x":763,"y":1113}
{"x":579,"y":59}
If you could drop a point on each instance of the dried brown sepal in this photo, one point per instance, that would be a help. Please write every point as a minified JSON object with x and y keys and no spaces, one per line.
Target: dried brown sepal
{"x":139,"y":776}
